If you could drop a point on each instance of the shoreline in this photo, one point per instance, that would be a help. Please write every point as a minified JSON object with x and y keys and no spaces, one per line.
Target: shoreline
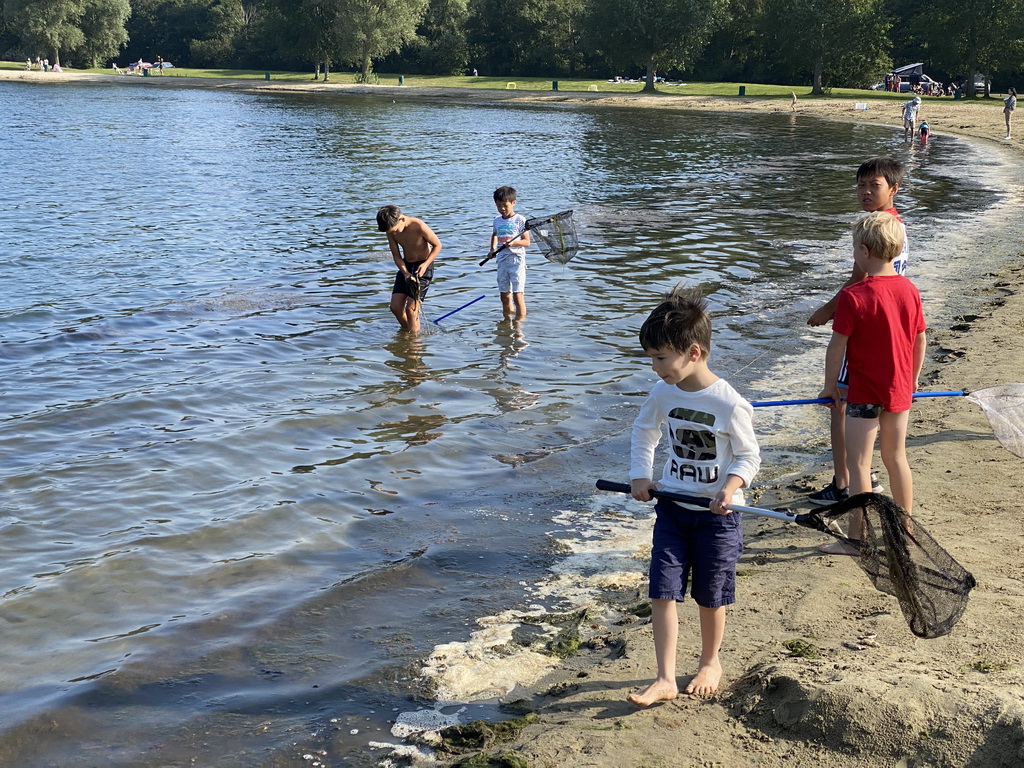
{"x":952,"y":701}
{"x":799,"y":686}
{"x":976,"y":120}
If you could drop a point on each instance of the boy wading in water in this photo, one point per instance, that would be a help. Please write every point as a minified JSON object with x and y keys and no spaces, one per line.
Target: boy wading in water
{"x":415,"y":262}
{"x":878,"y":181}
{"x":879,"y":329}
{"x":510,"y":231}
{"x":713,"y":452}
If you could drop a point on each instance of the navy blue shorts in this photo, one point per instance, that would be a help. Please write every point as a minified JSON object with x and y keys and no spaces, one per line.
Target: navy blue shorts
{"x":699,"y":546}
{"x":402,"y":285}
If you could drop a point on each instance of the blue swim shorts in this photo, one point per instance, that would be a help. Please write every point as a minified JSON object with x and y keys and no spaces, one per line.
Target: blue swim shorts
{"x":699,"y":546}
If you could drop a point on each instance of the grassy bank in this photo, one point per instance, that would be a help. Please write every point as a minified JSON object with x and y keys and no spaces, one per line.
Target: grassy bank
{"x":771,"y":96}
{"x":752,"y":90}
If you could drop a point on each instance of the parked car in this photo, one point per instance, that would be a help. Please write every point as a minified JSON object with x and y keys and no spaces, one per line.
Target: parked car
{"x":906,"y":86}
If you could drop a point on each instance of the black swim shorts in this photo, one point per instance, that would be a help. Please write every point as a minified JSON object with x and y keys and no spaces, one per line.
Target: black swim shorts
{"x":402,"y":285}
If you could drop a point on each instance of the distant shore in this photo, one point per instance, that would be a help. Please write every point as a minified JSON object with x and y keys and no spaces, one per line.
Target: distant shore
{"x":979,"y":119}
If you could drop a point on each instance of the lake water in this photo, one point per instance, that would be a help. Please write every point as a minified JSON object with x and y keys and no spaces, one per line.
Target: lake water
{"x":239,"y":508}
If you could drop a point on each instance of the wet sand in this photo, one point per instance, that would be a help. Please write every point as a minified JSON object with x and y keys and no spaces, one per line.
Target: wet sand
{"x":843,"y":702}
{"x":895,"y":700}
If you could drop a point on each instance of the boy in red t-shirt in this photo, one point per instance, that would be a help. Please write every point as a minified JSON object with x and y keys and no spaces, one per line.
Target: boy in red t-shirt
{"x":879,"y":326}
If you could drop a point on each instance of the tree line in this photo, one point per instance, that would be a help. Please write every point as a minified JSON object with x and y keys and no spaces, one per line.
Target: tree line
{"x":823,"y":43}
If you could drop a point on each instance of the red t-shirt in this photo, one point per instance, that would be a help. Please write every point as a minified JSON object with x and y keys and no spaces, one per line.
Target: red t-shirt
{"x":882,"y":316}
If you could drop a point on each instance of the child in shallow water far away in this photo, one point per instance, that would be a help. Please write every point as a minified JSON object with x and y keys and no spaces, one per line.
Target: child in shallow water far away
{"x":713,"y":453}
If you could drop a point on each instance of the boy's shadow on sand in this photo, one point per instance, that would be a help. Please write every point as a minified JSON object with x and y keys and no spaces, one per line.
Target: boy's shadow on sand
{"x":616,"y":707}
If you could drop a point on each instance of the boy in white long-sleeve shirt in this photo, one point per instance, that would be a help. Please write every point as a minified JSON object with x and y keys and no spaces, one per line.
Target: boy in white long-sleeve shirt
{"x":713,"y":453}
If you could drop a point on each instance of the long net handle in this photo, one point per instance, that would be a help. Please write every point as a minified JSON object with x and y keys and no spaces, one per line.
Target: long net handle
{"x":699,"y":501}
{"x":505,"y":245}
{"x":824,"y":400}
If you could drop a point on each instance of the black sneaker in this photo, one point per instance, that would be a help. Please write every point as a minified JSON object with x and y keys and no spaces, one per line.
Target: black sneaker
{"x":829,"y":494}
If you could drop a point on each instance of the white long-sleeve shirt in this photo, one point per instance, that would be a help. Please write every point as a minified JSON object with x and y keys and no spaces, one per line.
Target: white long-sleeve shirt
{"x":711,"y":436}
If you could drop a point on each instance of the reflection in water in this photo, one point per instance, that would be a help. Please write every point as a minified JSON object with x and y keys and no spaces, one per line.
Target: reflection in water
{"x":407,"y":350}
{"x":510,"y":341}
{"x":414,"y":427}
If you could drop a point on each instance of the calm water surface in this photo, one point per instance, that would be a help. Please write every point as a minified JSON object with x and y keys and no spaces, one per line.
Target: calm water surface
{"x":238,"y":505}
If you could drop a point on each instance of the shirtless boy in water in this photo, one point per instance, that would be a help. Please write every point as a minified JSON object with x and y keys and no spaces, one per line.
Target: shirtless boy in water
{"x":415,"y":262}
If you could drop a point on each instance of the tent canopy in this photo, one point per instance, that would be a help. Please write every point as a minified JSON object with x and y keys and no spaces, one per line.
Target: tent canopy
{"x":910,"y":69}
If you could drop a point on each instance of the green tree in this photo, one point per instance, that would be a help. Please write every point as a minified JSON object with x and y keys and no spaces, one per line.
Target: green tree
{"x":371,"y":29}
{"x":736,"y":51}
{"x":654,"y":33}
{"x":47,"y":27}
{"x":499,"y":32}
{"x":306,"y":30}
{"x":968,"y":37}
{"x":558,"y":44}
{"x":215,"y":41}
{"x":103,"y":26}
{"x":440,"y":45}
{"x":833,"y":41}
{"x":526,"y":37}
{"x":185,"y":32}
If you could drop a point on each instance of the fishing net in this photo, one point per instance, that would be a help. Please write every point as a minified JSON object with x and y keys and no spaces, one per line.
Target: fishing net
{"x":1004,"y":408}
{"x":902,"y":560}
{"x":555,"y":236}
{"x":894,"y":550}
{"x":415,"y":288}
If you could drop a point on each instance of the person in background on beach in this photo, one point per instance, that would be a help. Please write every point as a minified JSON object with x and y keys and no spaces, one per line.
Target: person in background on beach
{"x":28,"y":65}
{"x":910,"y":111}
{"x":879,"y":328}
{"x":792,"y":103}
{"x":415,"y":261}
{"x":713,"y":452}
{"x":510,"y":231}
{"x":1010,"y":104}
{"x":878,"y":181}
{"x":924,"y":131}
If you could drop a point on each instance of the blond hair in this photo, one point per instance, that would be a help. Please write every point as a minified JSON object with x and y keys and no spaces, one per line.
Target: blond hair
{"x":881,"y":233}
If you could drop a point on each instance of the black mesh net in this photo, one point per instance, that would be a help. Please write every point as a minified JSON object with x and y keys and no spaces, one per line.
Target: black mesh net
{"x":555,"y":236}
{"x":901,"y":559}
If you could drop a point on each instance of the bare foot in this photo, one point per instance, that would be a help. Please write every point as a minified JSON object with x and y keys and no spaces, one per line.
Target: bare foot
{"x":705,"y":682}
{"x":659,"y":690}
{"x":838,"y":548}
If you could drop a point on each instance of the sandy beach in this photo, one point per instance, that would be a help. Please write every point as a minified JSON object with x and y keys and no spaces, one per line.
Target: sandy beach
{"x":839,"y":703}
{"x":952,"y":701}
